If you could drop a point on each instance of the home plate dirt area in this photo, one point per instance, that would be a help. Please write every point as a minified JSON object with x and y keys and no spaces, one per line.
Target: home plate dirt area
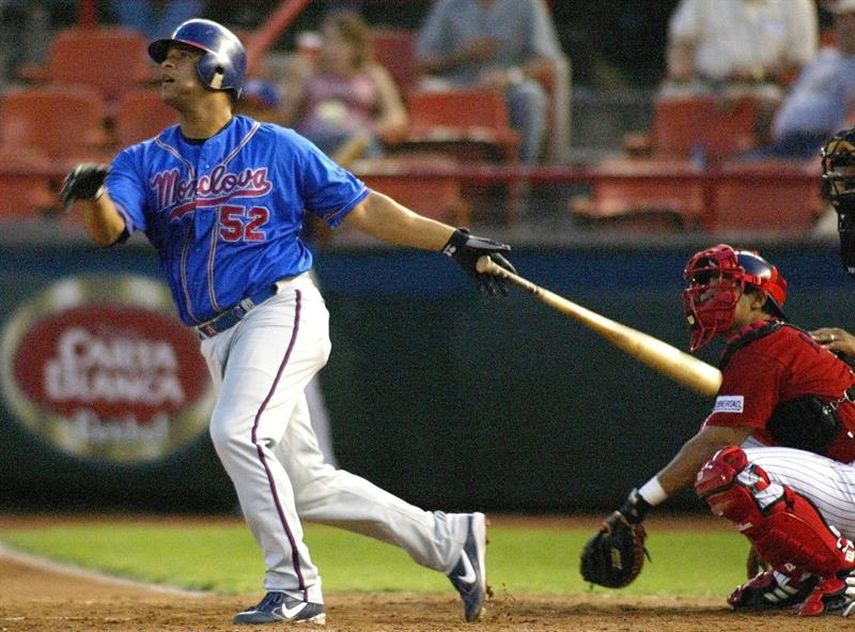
{"x":41,"y":596}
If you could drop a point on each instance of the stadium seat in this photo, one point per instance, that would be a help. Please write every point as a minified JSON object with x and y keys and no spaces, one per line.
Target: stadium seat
{"x":394,"y":49}
{"x":65,"y":124}
{"x":681,"y":126}
{"x":428,"y":185}
{"x":772,"y":197}
{"x":107,"y":58}
{"x":655,"y":201}
{"x":25,"y":185}
{"x":472,"y":124}
{"x":141,"y":114}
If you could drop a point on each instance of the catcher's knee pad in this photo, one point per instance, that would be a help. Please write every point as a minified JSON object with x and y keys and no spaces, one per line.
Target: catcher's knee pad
{"x":786,"y":529}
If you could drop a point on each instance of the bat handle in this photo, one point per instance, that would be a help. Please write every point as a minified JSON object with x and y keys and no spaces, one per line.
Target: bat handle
{"x":485,"y":265}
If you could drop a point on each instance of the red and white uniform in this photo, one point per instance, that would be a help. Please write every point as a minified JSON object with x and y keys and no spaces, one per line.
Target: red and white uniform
{"x":784,"y":365}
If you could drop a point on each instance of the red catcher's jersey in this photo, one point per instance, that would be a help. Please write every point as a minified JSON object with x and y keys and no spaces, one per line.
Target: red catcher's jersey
{"x":781,"y":366}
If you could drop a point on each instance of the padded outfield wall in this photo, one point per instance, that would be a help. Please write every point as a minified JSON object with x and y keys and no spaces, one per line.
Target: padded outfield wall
{"x":446,"y":398}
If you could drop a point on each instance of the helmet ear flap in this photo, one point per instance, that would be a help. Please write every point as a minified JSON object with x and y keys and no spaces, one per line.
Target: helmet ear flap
{"x":223,"y":62}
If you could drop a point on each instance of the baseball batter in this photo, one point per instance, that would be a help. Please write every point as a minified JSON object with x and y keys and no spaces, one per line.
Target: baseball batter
{"x":775,"y":456}
{"x":222,"y":198}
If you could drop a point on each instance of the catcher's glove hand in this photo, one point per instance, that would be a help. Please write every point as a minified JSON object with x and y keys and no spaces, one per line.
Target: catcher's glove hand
{"x":85,"y":182}
{"x":466,"y":249}
{"x":614,"y":556}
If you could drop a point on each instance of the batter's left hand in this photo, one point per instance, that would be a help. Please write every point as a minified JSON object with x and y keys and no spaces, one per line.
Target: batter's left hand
{"x":466,"y":249}
{"x":835,"y":339}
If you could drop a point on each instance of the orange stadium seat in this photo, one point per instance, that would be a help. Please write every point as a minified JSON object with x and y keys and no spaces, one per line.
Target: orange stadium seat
{"x":472,"y":124}
{"x":141,"y":114}
{"x":63,"y":123}
{"x":107,"y":58}
{"x":25,"y":187}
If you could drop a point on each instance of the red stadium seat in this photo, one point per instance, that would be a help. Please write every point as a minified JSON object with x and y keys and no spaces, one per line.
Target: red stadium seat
{"x":680,"y":124}
{"x":472,"y":124}
{"x":109,"y":59}
{"x":141,"y":114}
{"x":758,"y":197}
{"x":25,"y":189}
{"x":651,"y":203}
{"x":394,"y":49}
{"x":63,"y":123}
{"x":427,"y":185}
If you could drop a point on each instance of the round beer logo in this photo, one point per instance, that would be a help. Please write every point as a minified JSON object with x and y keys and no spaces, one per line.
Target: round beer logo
{"x":101,"y":369}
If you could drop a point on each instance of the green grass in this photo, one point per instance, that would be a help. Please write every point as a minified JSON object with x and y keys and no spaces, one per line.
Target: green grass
{"x":225,"y":558}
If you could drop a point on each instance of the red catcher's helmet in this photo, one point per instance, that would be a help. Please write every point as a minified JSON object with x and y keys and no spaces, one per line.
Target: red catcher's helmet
{"x":717,"y":277}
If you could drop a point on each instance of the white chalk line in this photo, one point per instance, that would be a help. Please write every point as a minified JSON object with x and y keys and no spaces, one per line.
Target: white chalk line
{"x":78,"y":571}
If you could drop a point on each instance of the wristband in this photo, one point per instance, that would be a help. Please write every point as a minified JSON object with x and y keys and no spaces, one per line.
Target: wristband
{"x":652,"y":492}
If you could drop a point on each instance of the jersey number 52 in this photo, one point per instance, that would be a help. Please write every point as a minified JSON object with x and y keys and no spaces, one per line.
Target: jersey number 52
{"x":237,"y":223}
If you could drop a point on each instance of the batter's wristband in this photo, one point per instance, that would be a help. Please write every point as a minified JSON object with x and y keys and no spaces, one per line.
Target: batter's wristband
{"x":458,"y":239}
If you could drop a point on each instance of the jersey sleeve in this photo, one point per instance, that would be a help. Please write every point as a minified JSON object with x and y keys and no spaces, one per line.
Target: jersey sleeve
{"x":749,"y":392}
{"x":126,"y":187}
{"x":328,"y":190}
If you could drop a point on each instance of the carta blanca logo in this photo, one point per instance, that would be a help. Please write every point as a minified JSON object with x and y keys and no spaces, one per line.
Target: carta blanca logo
{"x":729,"y":404}
{"x":101,"y":369}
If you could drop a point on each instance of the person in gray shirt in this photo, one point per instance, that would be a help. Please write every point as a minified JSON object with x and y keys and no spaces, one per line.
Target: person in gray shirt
{"x":506,"y":45}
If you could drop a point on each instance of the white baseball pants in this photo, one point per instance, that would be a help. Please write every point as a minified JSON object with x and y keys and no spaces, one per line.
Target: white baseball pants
{"x":262,"y":433}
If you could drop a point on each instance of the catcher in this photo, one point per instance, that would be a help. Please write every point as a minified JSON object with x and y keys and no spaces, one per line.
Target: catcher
{"x":774,"y":456}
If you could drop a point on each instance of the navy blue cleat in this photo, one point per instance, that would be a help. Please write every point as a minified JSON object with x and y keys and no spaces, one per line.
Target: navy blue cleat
{"x":277,"y":607}
{"x":469,"y":576}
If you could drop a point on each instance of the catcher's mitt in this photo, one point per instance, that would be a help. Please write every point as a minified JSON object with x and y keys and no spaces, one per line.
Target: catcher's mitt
{"x":614,"y":556}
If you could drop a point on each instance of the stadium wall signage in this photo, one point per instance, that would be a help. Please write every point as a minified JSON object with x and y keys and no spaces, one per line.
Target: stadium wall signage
{"x":100,"y":368}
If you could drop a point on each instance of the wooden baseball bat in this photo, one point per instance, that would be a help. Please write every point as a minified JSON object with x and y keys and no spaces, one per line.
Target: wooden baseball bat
{"x":689,"y":371}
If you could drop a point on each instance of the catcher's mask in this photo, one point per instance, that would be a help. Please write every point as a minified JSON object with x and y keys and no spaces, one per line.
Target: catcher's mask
{"x":223,"y":64}
{"x":838,"y":187}
{"x":717,"y":278}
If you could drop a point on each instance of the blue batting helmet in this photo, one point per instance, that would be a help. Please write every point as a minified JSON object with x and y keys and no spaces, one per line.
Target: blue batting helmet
{"x":223,"y":65}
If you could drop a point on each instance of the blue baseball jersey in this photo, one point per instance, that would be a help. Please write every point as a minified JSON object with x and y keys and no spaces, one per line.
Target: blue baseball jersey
{"x":225,"y":214}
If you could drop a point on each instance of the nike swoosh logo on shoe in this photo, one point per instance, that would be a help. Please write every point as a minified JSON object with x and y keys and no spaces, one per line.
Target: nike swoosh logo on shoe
{"x":468,"y":575}
{"x":289,"y":613}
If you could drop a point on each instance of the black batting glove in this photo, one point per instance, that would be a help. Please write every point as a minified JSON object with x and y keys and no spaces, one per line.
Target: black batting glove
{"x":634,"y":508}
{"x":85,"y":182}
{"x":466,"y":249}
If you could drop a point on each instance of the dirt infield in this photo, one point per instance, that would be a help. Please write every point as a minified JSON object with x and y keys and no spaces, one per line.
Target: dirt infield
{"x":36,"y":597}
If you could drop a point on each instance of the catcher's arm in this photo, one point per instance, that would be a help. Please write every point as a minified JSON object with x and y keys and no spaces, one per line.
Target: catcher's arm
{"x":614,"y":556}
{"x":85,"y":184}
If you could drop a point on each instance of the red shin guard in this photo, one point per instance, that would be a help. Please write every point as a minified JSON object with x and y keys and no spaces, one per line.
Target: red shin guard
{"x":786,"y":529}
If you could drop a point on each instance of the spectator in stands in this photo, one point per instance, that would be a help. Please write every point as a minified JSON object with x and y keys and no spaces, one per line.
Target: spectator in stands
{"x":509,"y":45}
{"x":155,"y":18}
{"x":348,"y":105}
{"x":25,"y":35}
{"x":739,"y":48}
{"x":820,"y":100}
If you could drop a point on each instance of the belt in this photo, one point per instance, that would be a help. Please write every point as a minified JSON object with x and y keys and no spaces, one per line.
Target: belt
{"x":233,"y":316}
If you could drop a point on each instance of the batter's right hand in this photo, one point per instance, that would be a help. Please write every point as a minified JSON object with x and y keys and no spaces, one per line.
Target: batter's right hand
{"x":85,"y":182}
{"x":466,"y":249}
